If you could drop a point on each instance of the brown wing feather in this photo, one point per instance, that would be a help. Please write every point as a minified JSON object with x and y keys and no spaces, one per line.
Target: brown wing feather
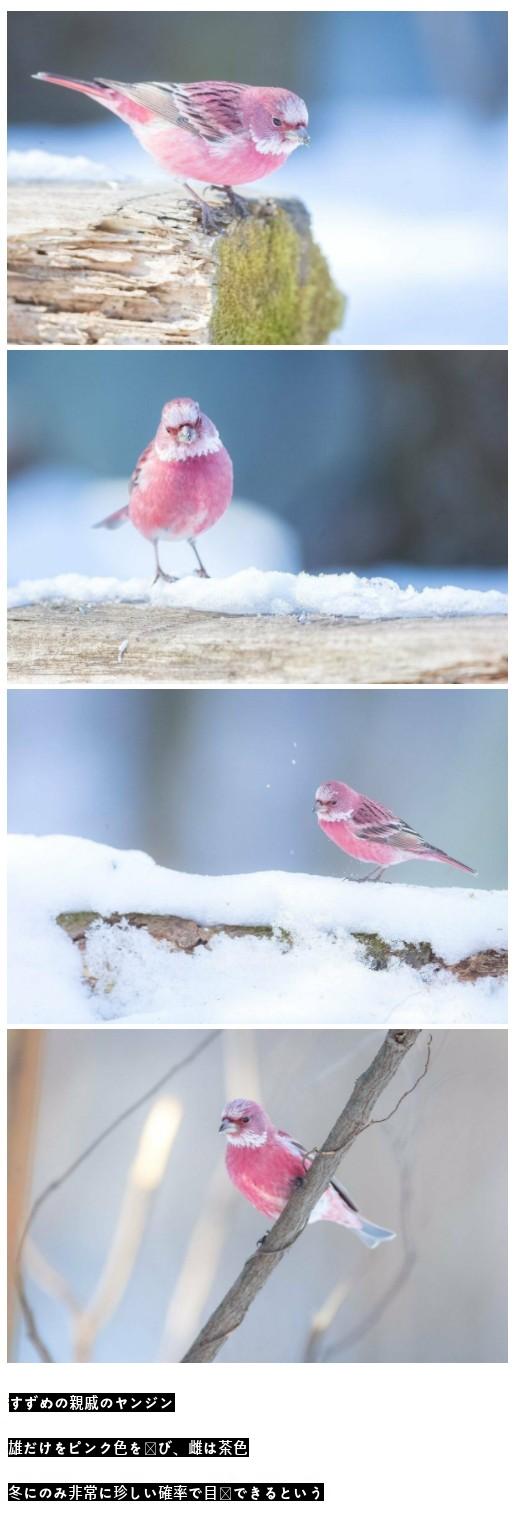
{"x":139,"y":466}
{"x":371,"y":821}
{"x":207,"y":110}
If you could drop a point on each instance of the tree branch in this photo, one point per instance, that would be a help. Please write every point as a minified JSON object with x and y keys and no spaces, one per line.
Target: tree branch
{"x":58,"y":1182}
{"x":294,"y":1218}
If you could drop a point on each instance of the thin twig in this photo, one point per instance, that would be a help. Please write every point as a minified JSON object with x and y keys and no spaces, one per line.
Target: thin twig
{"x":58,"y":1182}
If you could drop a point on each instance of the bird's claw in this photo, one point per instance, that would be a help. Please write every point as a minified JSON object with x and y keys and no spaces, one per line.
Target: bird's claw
{"x":262,"y":1238}
{"x":210,"y":218}
{"x":161,"y":575}
{"x":202,"y":574}
{"x":237,"y":202}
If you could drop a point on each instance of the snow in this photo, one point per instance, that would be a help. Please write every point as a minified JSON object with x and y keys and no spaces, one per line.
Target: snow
{"x":321,"y":976}
{"x":36,"y":164}
{"x":271,"y":591}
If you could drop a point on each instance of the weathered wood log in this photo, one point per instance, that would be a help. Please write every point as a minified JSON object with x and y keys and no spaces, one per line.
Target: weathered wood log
{"x":122,"y":265}
{"x":186,"y":935}
{"x":118,"y":644}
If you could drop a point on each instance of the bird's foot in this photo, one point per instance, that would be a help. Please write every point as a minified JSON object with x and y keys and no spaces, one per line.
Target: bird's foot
{"x":161,"y":575}
{"x":203,"y":575}
{"x":262,"y":1238}
{"x":210,"y":217}
{"x":237,"y":202}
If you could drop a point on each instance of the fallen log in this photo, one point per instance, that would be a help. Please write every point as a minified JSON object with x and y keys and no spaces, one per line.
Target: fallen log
{"x":124,"y":266}
{"x":119,"y":644}
{"x":187,"y":935}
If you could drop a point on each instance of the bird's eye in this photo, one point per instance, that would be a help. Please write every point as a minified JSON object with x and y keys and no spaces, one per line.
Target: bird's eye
{"x":244,"y":1121}
{"x":276,"y":121}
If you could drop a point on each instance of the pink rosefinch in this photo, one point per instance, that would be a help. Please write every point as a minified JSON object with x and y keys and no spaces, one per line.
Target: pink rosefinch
{"x":182,"y":482}
{"x":369,"y":831}
{"x":265,"y":1164}
{"x":221,"y":133}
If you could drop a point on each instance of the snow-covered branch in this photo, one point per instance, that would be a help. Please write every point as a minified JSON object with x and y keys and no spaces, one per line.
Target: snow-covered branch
{"x":354,"y":1118}
{"x":314,"y":629}
{"x":101,"y":933}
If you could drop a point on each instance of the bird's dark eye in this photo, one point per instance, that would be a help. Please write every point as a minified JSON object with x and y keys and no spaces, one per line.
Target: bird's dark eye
{"x":276,"y":121}
{"x":244,"y":1121}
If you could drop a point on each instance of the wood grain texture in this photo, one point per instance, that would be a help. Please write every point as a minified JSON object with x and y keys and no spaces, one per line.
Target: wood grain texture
{"x":127,"y":266}
{"x":57,"y":644}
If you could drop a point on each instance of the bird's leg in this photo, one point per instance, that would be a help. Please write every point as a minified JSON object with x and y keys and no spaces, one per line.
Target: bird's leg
{"x":161,"y":574}
{"x":237,"y":202}
{"x":262,"y":1238}
{"x":201,"y":568}
{"x":374,"y":875}
{"x":210,"y":215}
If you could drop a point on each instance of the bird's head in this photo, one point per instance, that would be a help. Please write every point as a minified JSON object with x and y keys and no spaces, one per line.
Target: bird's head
{"x":333,"y":799}
{"x":244,"y":1122}
{"x":184,"y":431}
{"x":277,"y":121}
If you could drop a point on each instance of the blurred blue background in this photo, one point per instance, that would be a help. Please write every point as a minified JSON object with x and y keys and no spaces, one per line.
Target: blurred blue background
{"x":406,"y":175}
{"x":218,"y":782}
{"x":392,"y":461}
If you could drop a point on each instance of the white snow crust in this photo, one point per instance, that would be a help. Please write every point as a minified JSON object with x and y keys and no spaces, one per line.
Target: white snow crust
{"x":269,"y":592}
{"x":320,"y":976}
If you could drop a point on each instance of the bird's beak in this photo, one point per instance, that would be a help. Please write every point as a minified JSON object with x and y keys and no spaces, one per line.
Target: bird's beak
{"x":225,"y":1124}
{"x":186,"y":433}
{"x":301,"y":136}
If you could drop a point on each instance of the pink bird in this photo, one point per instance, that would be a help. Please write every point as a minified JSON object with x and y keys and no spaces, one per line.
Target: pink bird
{"x":265,"y":1164}
{"x":369,"y":831}
{"x":182,"y":482}
{"x":214,"y":131}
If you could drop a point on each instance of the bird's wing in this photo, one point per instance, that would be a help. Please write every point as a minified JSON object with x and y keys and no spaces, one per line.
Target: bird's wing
{"x":373,"y":822}
{"x":299,"y":1150}
{"x":210,"y":110}
{"x":136,"y":474}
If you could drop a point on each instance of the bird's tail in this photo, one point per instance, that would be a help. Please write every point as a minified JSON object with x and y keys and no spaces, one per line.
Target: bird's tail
{"x":82,"y":85}
{"x":373,"y":1235}
{"x":108,"y":93}
{"x":448,"y":860}
{"x":115,"y":520}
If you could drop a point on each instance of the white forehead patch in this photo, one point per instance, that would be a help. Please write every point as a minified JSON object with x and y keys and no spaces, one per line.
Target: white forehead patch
{"x":294,"y":111}
{"x":177,"y":413}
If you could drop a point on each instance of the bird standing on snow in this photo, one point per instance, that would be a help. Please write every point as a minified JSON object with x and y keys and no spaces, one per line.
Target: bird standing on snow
{"x":371,"y":832}
{"x":265,"y":1164}
{"x":214,"y":131}
{"x":182,"y":482}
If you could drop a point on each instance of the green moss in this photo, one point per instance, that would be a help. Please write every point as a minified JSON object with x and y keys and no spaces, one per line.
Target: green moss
{"x":273,"y":285}
{"x":379,"y":954}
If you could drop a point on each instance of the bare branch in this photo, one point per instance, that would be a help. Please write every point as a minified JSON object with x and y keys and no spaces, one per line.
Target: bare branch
{"x":352,"y":1121}
{"x":58,"y":1182}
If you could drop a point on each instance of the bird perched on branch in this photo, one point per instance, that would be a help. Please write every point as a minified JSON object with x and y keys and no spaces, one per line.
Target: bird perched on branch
{"x":220,"y":133}
{"x":371,"y":832}
{"x":182,"y":482}
{"x":265,"y":1164}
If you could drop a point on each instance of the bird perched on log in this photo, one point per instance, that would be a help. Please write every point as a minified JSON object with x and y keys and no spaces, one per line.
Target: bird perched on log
{"x":182,"y":482}
{"x":265,"y":1164}
{"x":214,"y":131}
{"x":369,"y":831}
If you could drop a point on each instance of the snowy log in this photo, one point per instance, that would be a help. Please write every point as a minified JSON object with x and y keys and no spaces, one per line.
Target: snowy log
{"x":121,"y":265}
{"x":98,"y":933}
{"x":187,"y":935}
{"x":120,"y":644}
